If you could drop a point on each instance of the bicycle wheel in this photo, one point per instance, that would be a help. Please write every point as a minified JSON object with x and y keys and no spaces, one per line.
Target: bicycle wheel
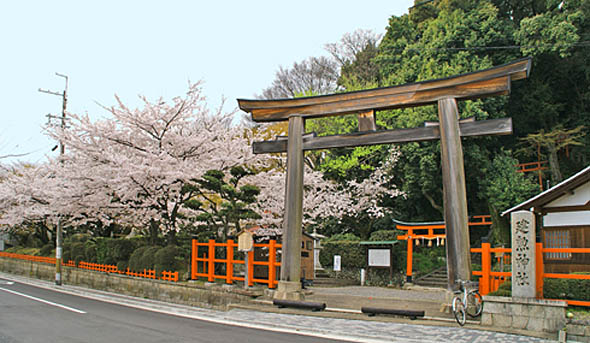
{"x":474,"y":304}
{"x":459,"y":311}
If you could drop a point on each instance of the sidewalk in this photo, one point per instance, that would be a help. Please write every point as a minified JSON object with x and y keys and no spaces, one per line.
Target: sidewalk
{"x":347,"y":326}
{"x":345,"y":303}
{"x":428,"y":300}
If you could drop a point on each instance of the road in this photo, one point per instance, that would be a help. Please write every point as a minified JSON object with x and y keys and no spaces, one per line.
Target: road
{"x":33,"y":314}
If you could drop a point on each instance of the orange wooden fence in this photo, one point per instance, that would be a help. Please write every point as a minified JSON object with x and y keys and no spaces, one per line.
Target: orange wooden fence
{"x":490,"y":280}
{"x":107,"y":268}
{"x":204,"y":259}
{"x":414,"y":232}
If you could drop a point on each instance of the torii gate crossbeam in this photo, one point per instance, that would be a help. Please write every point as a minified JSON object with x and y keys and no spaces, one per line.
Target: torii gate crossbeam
{"x":443,"y":92}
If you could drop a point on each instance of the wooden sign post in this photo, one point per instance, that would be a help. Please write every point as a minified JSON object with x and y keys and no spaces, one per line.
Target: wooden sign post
{"x":444,"y":92}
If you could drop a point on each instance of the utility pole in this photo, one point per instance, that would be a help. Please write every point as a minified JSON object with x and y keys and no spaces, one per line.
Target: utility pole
{"x":59,"y":234}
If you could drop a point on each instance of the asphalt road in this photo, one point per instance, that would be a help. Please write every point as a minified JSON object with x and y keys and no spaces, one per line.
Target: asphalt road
{"x":32,"y":314}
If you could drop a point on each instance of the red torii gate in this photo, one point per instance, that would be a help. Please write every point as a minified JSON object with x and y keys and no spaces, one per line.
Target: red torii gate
{"x":426,"y":232}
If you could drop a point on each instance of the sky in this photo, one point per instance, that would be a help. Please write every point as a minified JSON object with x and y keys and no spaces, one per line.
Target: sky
{"x":154,"y":48}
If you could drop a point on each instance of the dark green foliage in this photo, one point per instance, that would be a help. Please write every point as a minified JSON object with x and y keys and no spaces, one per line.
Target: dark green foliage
{"x":122,"y":265}
{"x":79,"y":238}
{"x":90,"y":252}
{"x":135,"y":262}
{"x":353,"y":254}
{"x":47,"y":249}
{"x":385,"y":235}
{"x":504,"y":290}
{"x":567,"y":289}
{"x":143,"y":258}
{"x":223,"y":203}
{"x":148,"y":259}
{"x":113,"y":250}
{"x":165,"y":259}
{"x":428,"y":259}
{"x":77,"y":251}
{"x":66,"y":251}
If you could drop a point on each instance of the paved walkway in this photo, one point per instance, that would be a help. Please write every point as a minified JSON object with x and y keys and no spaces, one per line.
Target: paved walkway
{"x":355,"y":330}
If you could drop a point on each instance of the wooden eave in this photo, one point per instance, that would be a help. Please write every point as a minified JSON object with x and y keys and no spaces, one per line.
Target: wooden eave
{"x":483,"y":83}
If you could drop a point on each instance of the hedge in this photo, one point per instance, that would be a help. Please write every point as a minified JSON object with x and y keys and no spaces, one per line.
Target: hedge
{"x":569,"y":289}
{"x":353,"y":254}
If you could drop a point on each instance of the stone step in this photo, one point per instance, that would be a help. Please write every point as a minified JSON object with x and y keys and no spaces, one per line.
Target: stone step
{"x":432,"y":284}
{"x":332,"y":282}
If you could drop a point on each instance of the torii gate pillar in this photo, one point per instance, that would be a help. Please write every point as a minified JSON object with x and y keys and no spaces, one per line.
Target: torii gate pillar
{"x":454,"y":193}
{"x":289,"y":285}
{"x":444,"y":92}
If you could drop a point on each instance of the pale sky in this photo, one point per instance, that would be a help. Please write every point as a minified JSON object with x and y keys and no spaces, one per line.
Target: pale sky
{"x":154,"y":48}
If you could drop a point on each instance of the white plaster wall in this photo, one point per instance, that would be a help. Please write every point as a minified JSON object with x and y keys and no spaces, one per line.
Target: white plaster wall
{"x":580,"y":196}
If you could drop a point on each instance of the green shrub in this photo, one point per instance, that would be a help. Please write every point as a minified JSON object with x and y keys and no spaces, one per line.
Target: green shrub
{"x":428,"y":259}
{"x":102,"y":254}
{"x":343,"y":237}
{"x":122,"y":265}
{"x":90,"y":252}
{"x":135,"y":259}
{"x":77,"y":252}
{"x":79,"y":238}
{"x":353,"y":254}
{"x":385,"y":235}
{"x":567,"y":289}
{"x":46,"y":250}
{"x":66,"y":253}
{"x":165,"y":259}
{"x":113,"y":251}
{"x":143,"y":258}
{"x":33,"y":242}
{"x":148,"y":259}
{"x":24,"y":251}
{"x":79,"y":259}
{"x":121,"y":249}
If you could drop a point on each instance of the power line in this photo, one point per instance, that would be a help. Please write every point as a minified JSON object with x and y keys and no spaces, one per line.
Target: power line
{"x":502,"y":47}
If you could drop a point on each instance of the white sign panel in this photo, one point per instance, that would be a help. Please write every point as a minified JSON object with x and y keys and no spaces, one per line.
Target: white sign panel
{"x":379,"y":258}
{"x":337,"y":265}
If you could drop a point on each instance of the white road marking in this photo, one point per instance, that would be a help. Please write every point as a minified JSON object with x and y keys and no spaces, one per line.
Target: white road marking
{"x":43,"y":301}
{"x":6,"y":283}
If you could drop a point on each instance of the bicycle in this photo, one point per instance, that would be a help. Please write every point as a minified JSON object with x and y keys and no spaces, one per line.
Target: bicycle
{"x":467,"y":301}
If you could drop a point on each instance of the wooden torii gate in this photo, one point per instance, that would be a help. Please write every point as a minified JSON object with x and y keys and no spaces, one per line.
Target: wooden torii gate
{"x":444,"y":92}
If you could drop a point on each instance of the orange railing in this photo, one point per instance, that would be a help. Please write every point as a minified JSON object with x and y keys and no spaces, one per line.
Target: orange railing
{"x":107,"y":268}
{"x":203,"y":262}
{"x":489,"y":280}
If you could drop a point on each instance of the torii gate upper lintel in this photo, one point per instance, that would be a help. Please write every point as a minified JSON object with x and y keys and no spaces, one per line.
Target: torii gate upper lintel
{"x":444,"y":92}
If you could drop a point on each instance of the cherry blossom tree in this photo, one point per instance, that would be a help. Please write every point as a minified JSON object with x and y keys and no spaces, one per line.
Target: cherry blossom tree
{"x":134,"y":165}
{"x":322,"y":198}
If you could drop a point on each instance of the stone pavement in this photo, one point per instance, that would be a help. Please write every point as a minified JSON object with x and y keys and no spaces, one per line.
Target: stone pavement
{"x":343,"y":326}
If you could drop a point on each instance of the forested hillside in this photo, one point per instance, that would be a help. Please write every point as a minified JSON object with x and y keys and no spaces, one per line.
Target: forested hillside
{"x":447,"y":37}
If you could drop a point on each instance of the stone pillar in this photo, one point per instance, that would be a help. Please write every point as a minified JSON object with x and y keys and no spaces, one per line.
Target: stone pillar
{"x":523,"y":254}
{"x":289,"y":287}
{"x":454,"y":193}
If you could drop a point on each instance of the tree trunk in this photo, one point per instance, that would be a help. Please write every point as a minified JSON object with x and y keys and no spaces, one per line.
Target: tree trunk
{"x":556,"y":176}
{"x":154,"y":230}
{"x":500,"y":228}
{"x":433,"y":203}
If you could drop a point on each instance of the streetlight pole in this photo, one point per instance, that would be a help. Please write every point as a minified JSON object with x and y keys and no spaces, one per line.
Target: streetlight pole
{"x":59,"y":233}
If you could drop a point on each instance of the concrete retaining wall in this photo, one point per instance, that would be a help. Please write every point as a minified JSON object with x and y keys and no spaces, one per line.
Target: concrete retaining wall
{"x":578,"y":330}
{"x":187,"y":293}
{"x":524,"y":313}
